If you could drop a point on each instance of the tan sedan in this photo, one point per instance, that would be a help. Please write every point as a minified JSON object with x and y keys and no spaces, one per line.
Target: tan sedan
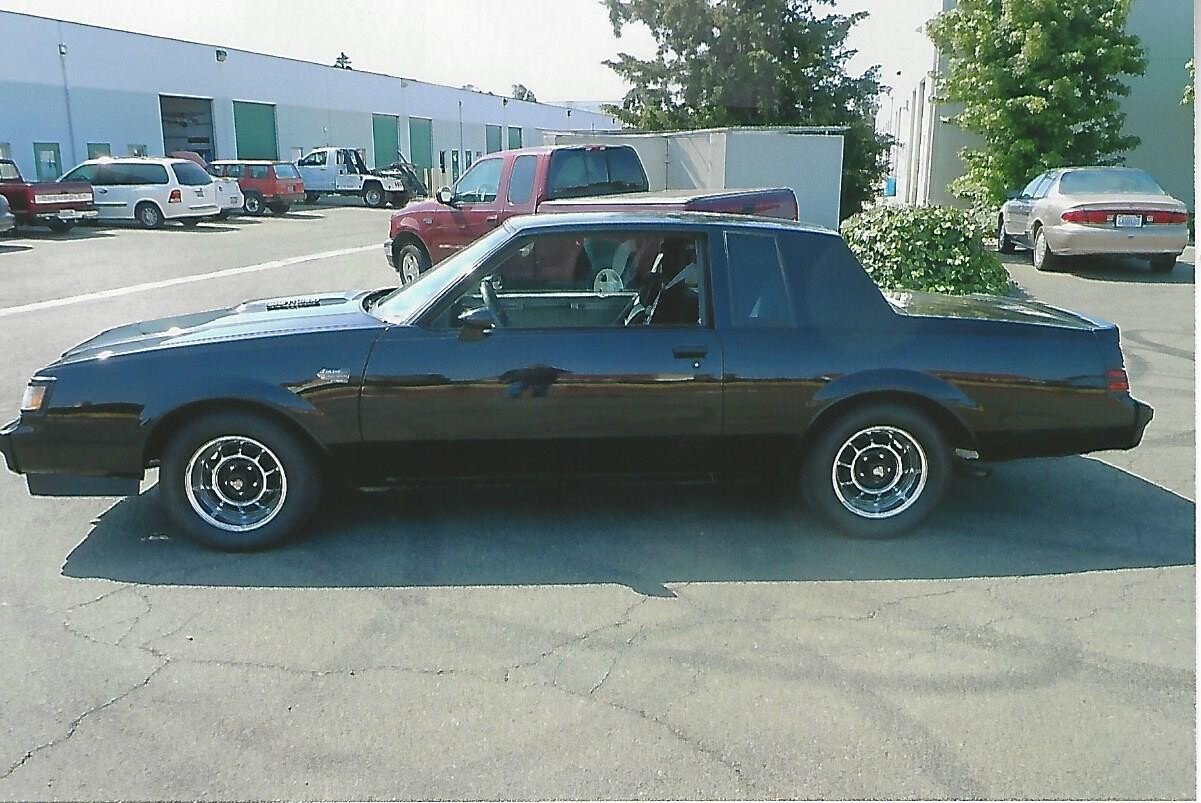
{"x":1079,"y":211}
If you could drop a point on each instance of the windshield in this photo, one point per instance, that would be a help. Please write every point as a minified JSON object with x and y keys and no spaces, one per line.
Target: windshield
{"x":9,"y":172}
{"x":1120,"y":180}
{"x":401,"y":304}
{"x":285,"y":170}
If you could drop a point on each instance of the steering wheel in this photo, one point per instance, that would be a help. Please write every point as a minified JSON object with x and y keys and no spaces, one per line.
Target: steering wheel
{"x":608,"y":281}
{"x":488,"y":292}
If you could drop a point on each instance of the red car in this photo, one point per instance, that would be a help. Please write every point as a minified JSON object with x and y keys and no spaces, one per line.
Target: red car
{"x":274,"y":185}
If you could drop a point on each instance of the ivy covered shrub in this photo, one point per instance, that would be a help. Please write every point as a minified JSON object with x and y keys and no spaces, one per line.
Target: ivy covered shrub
{"x":934,"y":248}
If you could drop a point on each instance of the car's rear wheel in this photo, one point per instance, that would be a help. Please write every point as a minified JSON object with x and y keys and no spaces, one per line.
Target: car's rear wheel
{"x":374,"y":196}
{"x":280,"y":208}
{"x":311,"y":197}
{"x":61,"y":226}
{"x":1163,"y":264}
{"x":1004,"y":244}
{"x":252,"y":204}
{"x":148,"y":215}
{"x":238,"y":481}
{"x":1044,"y":258}
{"x":398,"y":199}
{"x":877,"y":470}
{"x":411,"y":261}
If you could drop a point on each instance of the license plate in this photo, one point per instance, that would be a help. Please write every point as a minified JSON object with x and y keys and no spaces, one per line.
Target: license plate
{"x":65,"y":214}
{"x":1128,"y":221}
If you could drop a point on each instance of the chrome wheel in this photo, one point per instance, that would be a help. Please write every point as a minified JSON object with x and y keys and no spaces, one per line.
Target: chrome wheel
{"x":410,"y":267}
{"x":1040,"y":248}
{"x":879,"y":472}
{"x":235,"y":483}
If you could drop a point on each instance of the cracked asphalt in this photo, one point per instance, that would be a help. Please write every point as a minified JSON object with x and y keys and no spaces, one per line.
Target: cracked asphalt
{"x":1035,"y":640}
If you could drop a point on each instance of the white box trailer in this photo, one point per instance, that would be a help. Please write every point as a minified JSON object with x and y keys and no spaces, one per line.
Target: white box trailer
{"x":807,"y":160}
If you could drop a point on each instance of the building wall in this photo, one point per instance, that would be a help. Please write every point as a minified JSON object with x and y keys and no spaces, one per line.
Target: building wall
{"x":112,"y":98}
{"x":928,"y":159}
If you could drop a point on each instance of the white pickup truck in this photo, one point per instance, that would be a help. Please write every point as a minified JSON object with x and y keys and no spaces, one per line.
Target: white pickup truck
{"x":341,"y":171}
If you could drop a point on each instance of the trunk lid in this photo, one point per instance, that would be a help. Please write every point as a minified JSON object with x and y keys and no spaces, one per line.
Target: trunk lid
{"x":991,"y":308}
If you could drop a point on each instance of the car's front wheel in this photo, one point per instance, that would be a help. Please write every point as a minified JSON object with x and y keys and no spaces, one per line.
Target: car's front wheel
{"x":411,"y":261}
{"x":237,"y":481}
{"x":877,"y":470}
{"x":252,"y":203}
{"x":1005,"y":243}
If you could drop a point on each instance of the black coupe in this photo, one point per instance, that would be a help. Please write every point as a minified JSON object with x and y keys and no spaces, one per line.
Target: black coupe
{"x":675,"y":346}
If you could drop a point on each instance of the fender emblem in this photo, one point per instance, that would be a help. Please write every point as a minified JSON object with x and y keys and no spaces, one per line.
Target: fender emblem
{"x":333,"y":375}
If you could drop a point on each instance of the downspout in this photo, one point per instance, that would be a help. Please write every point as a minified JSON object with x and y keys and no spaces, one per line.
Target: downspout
{"x":666,"y":162}
{"x":62,"y":63}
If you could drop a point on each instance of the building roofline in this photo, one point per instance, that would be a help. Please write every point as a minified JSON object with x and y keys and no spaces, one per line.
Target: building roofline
{"x":297,"y":61}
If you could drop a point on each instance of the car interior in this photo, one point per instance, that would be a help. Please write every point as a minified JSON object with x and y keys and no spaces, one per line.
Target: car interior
{"x":585,"y":280}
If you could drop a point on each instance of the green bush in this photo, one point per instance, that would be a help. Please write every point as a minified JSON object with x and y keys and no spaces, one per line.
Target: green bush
{"x":934,"y":248}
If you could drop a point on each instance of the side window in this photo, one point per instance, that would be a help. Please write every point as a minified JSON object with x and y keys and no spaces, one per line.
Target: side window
{"x":1028,"y":190}
{"x":257,"y":171}
{"x":758,"y":292}
{"x":1040,"y":190}
{"x":481,"y":183}
{"x":521,"y":180}
{"x":156,"y":174}
{"x":588,"y":279}
{"x":85,"y":172}
{"x":315,"y":159}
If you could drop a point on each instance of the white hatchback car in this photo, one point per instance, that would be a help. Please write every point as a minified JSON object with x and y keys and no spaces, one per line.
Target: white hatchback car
{"x":149,"y":190}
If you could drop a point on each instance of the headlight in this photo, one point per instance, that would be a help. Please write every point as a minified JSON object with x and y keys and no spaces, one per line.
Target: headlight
{"x":35,"y":394}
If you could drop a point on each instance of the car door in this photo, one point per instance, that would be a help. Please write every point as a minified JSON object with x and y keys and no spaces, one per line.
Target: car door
{"x":476,"y":207}
{"x":566,"y":381}
{"x":316,"y":172}
{"x":1017,"y":217}
{"x":113,"y":192}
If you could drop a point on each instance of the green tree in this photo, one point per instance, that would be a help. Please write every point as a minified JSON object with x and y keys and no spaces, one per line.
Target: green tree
{"x":1040,"y":82}
{"x":753,"y":62}
{"x":521,"y":92}
{"x":1190,"y":89}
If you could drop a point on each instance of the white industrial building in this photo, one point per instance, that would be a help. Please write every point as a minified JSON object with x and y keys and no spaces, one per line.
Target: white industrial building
{"x":70,"y":91}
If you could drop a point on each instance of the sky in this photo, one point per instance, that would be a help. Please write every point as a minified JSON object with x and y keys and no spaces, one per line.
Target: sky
{"x":554,"y":47}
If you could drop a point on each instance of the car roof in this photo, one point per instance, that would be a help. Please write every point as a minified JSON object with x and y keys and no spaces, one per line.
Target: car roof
{"x":537,"y":149}
{"x":249,"y":161}
{"x":149,"y":159}
{"x":567,"y":220}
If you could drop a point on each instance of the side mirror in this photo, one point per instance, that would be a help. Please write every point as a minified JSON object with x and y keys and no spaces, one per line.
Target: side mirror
{"x":445,"y":196}
{"x":476,"y":323}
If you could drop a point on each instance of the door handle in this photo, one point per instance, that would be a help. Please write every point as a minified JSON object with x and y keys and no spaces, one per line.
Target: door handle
{"x":491,"y":219}
{"x":690,"y":352}
{"x":102,"y":190}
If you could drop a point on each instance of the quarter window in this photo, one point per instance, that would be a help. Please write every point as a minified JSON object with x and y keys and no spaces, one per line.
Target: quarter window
{"x":190,"y":174}
{"x":758,"y":291}
{"x":521,"y":180}
{"x":257,"y":171}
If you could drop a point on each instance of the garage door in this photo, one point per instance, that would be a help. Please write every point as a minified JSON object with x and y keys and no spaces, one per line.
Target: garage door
{"x":254,"y":130}
{"x":187,"y":126}
{"x":385,"y":133}
{"x":421,"y":141}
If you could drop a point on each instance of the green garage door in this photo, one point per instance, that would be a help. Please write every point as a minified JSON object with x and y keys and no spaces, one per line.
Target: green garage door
{"x":385,"y":133}
{"x":492,"y":138}
{"x":254,"y":130}
{"x":421,"y":141}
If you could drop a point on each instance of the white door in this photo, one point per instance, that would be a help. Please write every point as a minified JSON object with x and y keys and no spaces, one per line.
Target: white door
{"x":316,"y":171}
{"x":112,"y":193}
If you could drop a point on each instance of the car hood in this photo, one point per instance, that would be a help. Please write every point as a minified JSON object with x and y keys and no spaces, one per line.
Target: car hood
{"x":270,"y":317}
{"x":991,"y":308}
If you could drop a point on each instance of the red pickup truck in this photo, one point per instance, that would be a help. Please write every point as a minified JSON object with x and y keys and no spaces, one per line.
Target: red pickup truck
{"x":57,"y":204}
{"x":565,"y":178}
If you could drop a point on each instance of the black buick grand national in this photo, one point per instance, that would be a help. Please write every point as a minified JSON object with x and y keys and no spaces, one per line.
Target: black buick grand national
{"x":670,"y":346}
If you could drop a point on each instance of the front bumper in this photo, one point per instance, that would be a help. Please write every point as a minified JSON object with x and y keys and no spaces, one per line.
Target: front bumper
{"x":388,"y":254}
{"x":59,"y":484}
{"x":1077,"y":239}
{"x":7,"y":448}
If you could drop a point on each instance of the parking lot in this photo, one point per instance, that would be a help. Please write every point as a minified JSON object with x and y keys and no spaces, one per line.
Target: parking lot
{"x":1036,"y":639}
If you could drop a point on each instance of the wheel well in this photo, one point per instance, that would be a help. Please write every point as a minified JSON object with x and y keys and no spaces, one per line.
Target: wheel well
{"x":955,"y":431}
{"x":375,"y":183}
{"x":405,"y":238}
{"x":174,"y":421}
{"x":144,"y":202}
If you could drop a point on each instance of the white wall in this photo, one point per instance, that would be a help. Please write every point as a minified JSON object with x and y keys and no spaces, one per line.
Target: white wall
{"x":114,"y":79}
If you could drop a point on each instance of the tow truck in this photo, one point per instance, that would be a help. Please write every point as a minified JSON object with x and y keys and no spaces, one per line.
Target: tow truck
{"x":342,"y":171}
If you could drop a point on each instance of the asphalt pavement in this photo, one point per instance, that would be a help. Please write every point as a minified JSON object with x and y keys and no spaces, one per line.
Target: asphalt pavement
{"x":1035,"y":639}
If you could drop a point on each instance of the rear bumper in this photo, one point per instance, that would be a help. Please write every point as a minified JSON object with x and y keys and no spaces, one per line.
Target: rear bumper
{"x":286,"y":197}
{"x":45,"y":218}
{"x":1063,"y":442}
{"x":1075,"y":239}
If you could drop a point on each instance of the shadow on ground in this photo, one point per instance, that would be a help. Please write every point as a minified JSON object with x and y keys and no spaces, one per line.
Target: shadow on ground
{"x":1029,"y":518}
{"x":14,"y":249}
{"x":1113,"y":269}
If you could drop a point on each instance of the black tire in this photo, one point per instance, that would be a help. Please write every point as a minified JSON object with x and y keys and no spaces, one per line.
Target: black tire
{"x":311,"y":197}
{"x":1163,"y":264}
{"x":1043,"y":257}
{"x":893,"y":425}
{"x":1004,"y":244}
{"x":279,"y":208}
{"x":407,"y":256}
{"x":295,"y":471}
{"x":374,"y":195}
{"x":252,"y":204}
{"x":61,"y":226}
{"x":398,"y":199}
{"x":223,"y":214}
{"x":189,"y":222}
{"x":148,"y":215}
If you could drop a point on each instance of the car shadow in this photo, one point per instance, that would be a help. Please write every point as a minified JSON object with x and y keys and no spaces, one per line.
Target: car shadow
{"x":77,"y":232}
{"x":14,"y":249}
{"x":297,"y":216}
{"x":1030,"y":518}
{"x":1113,"y":269}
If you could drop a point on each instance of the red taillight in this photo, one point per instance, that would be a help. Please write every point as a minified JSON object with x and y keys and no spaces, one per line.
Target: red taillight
{"x":1087,"y":216}
{"x":1116,"y":381}
{"x":175,"y":197}
{"x":1166,"y":217}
